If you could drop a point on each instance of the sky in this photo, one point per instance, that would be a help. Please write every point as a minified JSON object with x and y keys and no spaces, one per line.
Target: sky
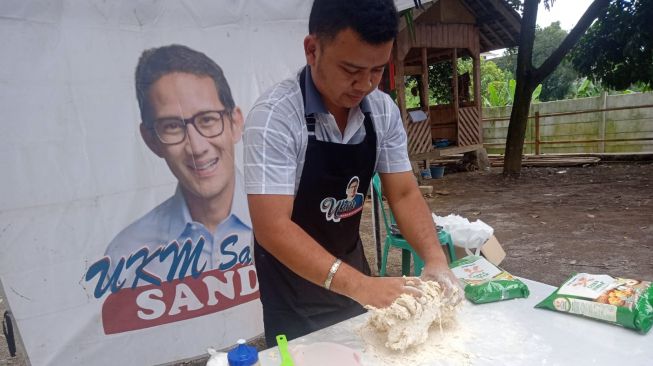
{"x":568,"y":12}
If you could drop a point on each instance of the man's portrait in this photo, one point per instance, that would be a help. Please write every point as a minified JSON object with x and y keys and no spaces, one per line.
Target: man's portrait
{"x":352,"y":192}
{"x":190,"y":120}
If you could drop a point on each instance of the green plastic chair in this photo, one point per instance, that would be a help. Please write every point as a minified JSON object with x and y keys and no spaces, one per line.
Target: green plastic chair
{"x":394,"y":239}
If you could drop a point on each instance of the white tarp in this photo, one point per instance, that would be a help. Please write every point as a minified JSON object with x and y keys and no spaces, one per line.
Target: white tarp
{"x":76,"y":170}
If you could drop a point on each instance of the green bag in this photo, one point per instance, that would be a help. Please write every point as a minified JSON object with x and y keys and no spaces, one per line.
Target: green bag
{"x":484,"y":282}
{"x":621,"y":301}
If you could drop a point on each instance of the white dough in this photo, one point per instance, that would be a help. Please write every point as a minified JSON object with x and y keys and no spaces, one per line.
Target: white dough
{"x":407,"y":321}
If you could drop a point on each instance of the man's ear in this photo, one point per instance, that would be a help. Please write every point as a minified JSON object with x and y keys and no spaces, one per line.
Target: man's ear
{"x":310,"y":49}
{"x":151,"y":140}
{"x":237,"y":125}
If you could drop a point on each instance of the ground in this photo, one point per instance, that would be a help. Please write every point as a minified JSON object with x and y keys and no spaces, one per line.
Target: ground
{"x":552,"y":222}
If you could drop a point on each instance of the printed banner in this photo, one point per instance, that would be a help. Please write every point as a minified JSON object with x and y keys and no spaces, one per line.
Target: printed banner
{"x":124,"y":228}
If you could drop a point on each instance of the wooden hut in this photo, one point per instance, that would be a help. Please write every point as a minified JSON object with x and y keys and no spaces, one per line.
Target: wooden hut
{"x":445,"y":31}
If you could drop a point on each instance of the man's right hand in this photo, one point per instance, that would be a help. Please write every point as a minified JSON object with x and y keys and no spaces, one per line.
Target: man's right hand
{"x":381,"y":292}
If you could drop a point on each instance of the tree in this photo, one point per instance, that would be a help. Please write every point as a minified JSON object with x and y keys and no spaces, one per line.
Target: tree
{"x":617,"y":50}
{"x":557,"y":85}
{"x":528,"y":76}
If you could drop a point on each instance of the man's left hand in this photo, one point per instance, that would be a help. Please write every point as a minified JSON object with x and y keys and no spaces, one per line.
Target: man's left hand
{"x":453,"y":290}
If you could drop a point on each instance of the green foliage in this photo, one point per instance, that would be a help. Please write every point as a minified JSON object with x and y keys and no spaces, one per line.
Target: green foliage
{"x":412,"y":101}
{"x":617,"y":50}
{"x":497,"y":85}
{"x":558,"y":85}
{"x":585,"y":88}
{"x":502,"y":93}
{"x":494,"y":84}
{"x":439,"y":84}
{"x":496,"y":96}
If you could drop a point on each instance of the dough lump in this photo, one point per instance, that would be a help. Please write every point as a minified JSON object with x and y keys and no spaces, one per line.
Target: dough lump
{"x":407,"y":321}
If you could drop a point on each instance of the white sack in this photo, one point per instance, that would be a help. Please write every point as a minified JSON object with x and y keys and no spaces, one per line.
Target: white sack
{"x":465,"y":234}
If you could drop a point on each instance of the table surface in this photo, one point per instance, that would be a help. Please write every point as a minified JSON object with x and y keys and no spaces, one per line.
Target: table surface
{"x":509,"y":332}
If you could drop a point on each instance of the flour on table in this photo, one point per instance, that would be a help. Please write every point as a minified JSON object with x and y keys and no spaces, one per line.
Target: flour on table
{"x":407,"y":321}
{"x":478,"y":335}
{"x":451,"y":346}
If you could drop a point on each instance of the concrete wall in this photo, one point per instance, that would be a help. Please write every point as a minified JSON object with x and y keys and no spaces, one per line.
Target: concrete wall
{"x":622,"y":124}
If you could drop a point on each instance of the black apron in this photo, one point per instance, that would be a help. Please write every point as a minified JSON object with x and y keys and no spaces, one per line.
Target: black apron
{"x":292,"y":305}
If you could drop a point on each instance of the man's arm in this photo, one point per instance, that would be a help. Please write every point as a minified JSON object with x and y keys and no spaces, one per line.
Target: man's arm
{"x":297,"y":250}
{"x":416,"y":224}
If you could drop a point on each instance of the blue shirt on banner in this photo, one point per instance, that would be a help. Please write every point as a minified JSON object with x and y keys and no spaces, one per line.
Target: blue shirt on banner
{"x":166,"y":243}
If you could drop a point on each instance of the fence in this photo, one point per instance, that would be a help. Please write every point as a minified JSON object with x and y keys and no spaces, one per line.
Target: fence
{"x":604,"y":124}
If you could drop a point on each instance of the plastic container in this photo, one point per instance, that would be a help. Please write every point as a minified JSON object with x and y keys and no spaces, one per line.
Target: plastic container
{"x":243,"y":355}
{"x":325,"y":354}
{"x":425,"y":173}
{"x":437,"y":171}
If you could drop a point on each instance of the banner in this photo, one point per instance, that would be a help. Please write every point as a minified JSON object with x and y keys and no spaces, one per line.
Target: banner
{"x":113,"y":251}
{"x":124,"y":230}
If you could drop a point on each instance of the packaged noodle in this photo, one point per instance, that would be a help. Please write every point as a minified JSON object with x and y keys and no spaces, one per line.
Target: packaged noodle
{"x":622,"y":301}
{"x":484,"y":282}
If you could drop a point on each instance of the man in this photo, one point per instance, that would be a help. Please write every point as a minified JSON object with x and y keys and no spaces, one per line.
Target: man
{"x":190,"y":120}
{"x":305,"y":141}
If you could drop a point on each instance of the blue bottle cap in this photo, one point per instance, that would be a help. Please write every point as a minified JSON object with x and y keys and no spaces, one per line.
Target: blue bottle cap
{"x":242,"y":355}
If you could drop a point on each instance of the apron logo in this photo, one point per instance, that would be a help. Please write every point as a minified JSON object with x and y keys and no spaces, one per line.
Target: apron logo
{"x":341,"y":209}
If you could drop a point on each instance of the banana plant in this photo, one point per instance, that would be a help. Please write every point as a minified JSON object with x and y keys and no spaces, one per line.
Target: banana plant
{"x":501,"y":93}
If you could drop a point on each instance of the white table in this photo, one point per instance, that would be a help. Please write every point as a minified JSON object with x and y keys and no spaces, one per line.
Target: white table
{"x":503,"y":333}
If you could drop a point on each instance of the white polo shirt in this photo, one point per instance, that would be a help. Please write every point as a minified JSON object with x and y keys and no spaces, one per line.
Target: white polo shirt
{"x":275,"y":136}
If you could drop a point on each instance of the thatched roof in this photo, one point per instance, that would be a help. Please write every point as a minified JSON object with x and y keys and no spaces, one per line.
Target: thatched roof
{"x":498,"y":23}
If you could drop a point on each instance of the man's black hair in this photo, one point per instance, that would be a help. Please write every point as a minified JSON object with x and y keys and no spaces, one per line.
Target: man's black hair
{"x":376,"y":21}
{"x":157,"y":62}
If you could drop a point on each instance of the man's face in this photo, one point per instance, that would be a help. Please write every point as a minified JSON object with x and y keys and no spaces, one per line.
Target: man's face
{"x":346,"y":68}
{"x":203,"y":166}
{"x":352,"y":189}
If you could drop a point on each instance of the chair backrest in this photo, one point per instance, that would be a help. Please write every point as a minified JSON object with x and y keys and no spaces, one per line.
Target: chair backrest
{"x":376,"y":183}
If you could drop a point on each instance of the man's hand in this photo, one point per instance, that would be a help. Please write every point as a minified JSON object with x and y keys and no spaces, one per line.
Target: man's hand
{"x":447,"y":280}
{"x":381,"y":292}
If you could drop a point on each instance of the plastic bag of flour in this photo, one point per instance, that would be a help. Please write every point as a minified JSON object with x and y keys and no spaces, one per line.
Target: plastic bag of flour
{"x":484,"y":282}
{"x":622,"y":301}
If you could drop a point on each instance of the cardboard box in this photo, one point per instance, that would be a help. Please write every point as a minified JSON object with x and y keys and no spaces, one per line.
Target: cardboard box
{"x":491,"y":250}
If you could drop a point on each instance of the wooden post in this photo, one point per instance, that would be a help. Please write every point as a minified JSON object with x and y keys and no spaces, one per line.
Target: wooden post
{"x":401,"y":86}
{"x":454,"y":80}
{"x":425,"y":94}
{"x":477,"y":95}
{"x":604,"y":99}
{"x":425,"y":82}
{"x":537,"y":133}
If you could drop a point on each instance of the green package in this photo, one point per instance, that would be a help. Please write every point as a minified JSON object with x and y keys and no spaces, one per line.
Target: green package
{"x":621,"y":301}
{"x":484,"y":282}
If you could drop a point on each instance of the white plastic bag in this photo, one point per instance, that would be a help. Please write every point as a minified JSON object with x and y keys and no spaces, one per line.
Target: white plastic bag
{"x":217,"y":358}
{"x":465,"y":234}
